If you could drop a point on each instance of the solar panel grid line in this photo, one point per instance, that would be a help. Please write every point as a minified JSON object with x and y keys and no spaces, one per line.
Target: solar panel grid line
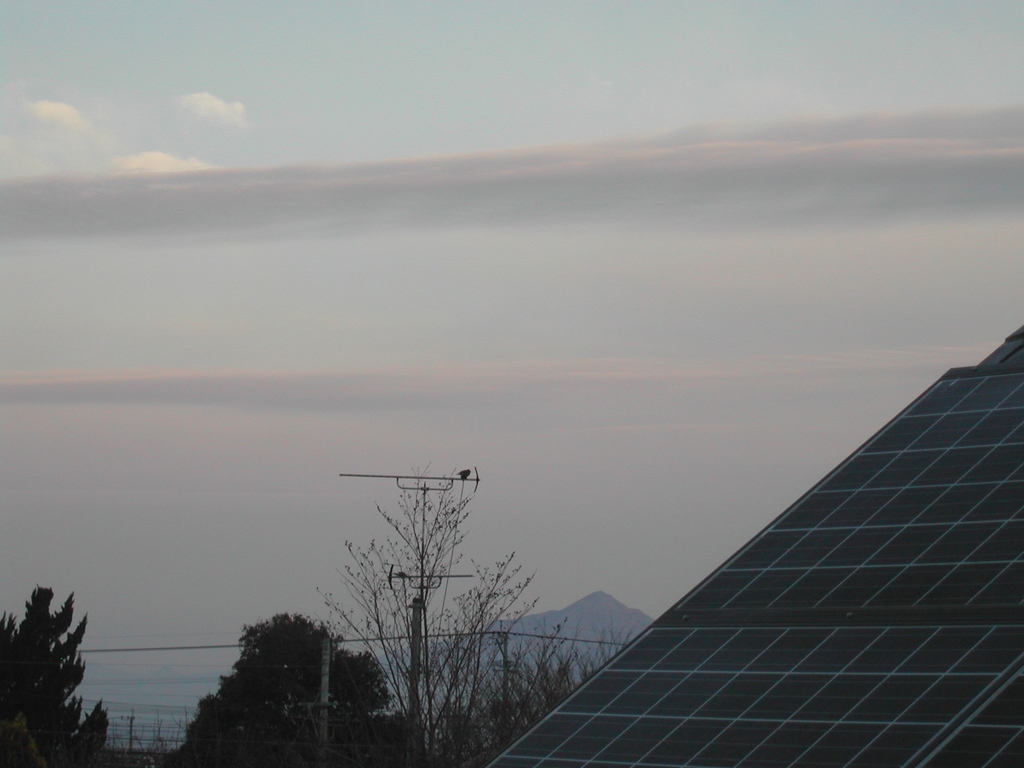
{"x":972,"y":705}
{"x":674,"y":679}
{"x":961,"y":584}
{"x":943,"y":395}
{"x":840,"y":536}
{"x":754,"y":703}
{"x":510,"y":760}
{"x":919,"y":434}
{"x":978,"y":540}
{"x":992,"y":393}
{"x":795,"y":505}
{"x":767,"y":732}
{"x":923,"y":430}
{"x":1010,"y":677}
{"x":1005,"y":707}
{"x":983,"y":488}
{"x":921,"y":615}
{"x":796,"y":544}
{"x":951,"y":535}
{"x":1005,"y":586}
{"x":895,"y":470}
{"x":930,"y":679}
{"x":962,"y":715}
{"x":994,"y":534}
{"x":645,"y":638}
{"x":993,"y":488}
{"x":998,"y":426}
{"x":1011,"y":755}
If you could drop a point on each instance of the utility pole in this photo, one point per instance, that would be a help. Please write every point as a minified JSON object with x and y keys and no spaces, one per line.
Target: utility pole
{"x":325,"y":684}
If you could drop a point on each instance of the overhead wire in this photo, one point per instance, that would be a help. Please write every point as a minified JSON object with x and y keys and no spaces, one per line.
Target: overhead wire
{"x":554,"y":638}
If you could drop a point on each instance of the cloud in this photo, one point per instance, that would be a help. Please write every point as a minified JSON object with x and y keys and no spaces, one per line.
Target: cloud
{"x":206,"y":106}
{"x":62,"y":140}
{"x":863,"y":169}
{"x":50,"y":137}
{"x":47,"y":138}
{"x":156,"y":162}
{"x":58,"y":113}
{"x":463,"y":387}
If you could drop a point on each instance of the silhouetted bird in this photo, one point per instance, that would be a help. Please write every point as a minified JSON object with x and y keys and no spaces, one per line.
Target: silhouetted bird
{"x":464,"y":474}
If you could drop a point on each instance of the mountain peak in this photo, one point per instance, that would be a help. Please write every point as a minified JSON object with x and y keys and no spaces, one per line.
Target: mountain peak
{"x":598,"y":616}
{"x":595,"y":599}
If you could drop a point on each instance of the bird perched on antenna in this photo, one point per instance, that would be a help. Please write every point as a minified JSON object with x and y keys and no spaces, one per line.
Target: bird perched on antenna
{"x":467,"y":474}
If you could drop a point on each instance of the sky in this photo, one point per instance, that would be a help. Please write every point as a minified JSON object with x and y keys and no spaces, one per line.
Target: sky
{"x":653,"y":268}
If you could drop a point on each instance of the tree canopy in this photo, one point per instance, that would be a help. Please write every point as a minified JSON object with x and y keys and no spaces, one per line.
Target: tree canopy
{"x":17,"y":747}
{"x":262,"y":713}
{"x":40,"y":667}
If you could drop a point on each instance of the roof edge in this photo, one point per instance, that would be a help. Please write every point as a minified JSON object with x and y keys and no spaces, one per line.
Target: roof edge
{"x":1010,"y":351}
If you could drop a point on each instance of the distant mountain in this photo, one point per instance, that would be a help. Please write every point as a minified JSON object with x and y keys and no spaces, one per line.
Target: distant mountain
{"x":598,"y":616}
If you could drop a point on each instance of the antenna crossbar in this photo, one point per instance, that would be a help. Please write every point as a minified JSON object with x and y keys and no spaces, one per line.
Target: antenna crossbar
{"x":421,"y":482}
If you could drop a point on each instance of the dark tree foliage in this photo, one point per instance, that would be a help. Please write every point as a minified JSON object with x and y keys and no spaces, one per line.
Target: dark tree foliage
{"x":40,"y":667}
{"x":262,"y":714}
{"x":17,"y":747}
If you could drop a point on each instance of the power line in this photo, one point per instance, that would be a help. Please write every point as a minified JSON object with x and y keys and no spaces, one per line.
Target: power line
{"x":159,"y":648}
{"x":150,"y":681}
{"x":165,"y":634}
{"x":97,"y":664}
{"x":356,"y":640}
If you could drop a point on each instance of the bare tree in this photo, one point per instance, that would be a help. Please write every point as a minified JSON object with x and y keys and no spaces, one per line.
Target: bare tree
{"x":536,"y":672}
{"x":405,"y":589}
{"x":465,"y":681}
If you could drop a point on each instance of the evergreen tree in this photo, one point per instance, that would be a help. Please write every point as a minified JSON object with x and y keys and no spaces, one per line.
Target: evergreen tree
{"x":262,"y":714}
{"x":40,"y":667}
{"x":17,"y":747}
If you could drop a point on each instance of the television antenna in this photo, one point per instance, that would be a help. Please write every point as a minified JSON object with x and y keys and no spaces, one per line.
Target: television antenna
{"x":423,"y":582}
{"x":426,"y":483}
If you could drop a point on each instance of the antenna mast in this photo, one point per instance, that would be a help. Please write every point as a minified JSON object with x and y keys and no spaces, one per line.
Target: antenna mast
{"x":425,"y":582}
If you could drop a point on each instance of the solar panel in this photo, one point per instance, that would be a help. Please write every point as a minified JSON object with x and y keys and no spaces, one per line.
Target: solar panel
{"x":879,"y":621}
{"x":774,"y":696}
{"x":929,"y":512}
{"x":993,"y":737}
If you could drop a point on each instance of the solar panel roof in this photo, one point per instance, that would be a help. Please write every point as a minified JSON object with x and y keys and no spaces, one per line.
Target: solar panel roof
{"x":879,"y":621}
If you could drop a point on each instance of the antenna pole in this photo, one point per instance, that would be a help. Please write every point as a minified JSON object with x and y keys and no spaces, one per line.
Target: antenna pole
{"x":414,"y":680}
{"x":504,"y":684}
